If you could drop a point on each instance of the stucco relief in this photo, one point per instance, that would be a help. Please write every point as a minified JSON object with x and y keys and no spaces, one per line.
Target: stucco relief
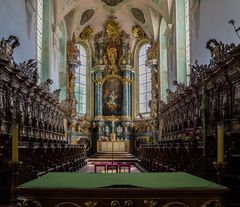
{"x":86,"y":16}
{"x":138,"y":14}
{"x":112,"y":2}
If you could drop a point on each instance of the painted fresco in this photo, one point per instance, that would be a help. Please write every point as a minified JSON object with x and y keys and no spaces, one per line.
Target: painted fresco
{"x":112,"y":97}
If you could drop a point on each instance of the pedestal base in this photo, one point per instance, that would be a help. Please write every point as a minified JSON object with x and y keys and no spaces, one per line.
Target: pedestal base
{"x":221,"y":168}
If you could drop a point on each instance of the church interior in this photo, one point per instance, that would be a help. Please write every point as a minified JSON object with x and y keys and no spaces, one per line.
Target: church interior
{"x":120,"y":103}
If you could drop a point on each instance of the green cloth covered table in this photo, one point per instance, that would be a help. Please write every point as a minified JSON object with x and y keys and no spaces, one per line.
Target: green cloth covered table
{"x":53,"y":189}
{"x":143,"y":180}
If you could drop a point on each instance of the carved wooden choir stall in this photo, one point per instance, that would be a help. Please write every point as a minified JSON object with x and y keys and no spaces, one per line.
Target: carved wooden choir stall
{"x":33,"y":124}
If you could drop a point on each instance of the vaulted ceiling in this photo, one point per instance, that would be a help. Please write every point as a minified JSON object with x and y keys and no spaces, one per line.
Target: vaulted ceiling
{"x":81,"y":13}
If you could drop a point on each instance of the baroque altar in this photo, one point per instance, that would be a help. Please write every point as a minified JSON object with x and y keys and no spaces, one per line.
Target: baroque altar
{"x":113,"y":76}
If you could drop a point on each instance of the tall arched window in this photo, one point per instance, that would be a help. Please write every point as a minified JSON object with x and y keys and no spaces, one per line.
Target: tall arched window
{"x":145,"y":83}
{"x":187,"y":25}
{"x":81,"y":80}
{"x":39,"y":33}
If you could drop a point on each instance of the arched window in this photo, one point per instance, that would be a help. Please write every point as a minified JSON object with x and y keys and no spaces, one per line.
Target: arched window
{"x":145,"y":83}
{"x":187,"y":26}
{"x":39,"y":33}
{"x":81,"y":80}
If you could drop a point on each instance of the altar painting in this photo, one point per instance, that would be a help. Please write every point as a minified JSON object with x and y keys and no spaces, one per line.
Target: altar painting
{"x":112,"y":97}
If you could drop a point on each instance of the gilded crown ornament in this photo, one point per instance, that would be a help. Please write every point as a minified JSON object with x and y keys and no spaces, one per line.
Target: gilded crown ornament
{"x":86,"y":34}
{"x":112,"y":28}
{"x":138,"y":32}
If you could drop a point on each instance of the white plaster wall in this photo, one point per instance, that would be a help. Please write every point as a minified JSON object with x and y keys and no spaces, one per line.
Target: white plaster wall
{"x":13,"y":21}
{"x":214,"y":17}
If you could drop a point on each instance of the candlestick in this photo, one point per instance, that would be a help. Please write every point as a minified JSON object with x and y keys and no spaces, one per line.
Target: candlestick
{"x":220,"y":142}
{"x":15,"y":144}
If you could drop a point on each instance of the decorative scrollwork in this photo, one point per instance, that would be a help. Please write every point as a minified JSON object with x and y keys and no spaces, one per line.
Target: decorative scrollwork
{"x":197,"y":72}
{"x":173,"y":96}
{"x":31,"y":203}
{"x":7,"y":47}
{"x":150,"y":203}
{"x":115,"y":203}
{"x":219,"y":51}
{"x":138,"y":14}
{"x":56,"y":94}
{"x":127,"y":203}
{"x":90,"y":203}
{"x":28,"y":69}
{"x":45,"y":85}
{"x":112,"y":48}
{"x":72,"y":51}
{"x":87,"y":33}
{"x":112,"y":28}
{"x":138,"y":32}
{"x":212,"y":203}
{"x":68,"y":204}
{"x":86,"y":16}
{"x":112,"y":2}
{"x":153,"y":51}
{"x":175,"y":204}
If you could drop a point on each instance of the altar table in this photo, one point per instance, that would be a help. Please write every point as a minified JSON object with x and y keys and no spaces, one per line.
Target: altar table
{"x":115,"y":146}
{"x":121,"y":190}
